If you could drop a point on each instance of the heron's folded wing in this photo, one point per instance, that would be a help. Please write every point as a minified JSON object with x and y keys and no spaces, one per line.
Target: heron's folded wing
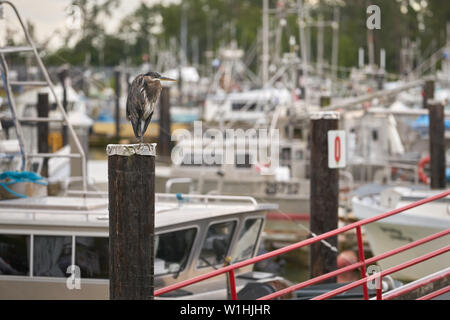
{"x":136,"y":99}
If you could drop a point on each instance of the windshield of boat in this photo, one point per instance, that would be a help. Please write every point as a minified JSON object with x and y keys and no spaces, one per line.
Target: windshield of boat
{"x":248,"y":238}
{"x":172,"y":250}
{"x":216,"y":244}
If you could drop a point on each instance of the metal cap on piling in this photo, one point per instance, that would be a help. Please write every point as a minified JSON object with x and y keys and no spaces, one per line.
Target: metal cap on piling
{"x":143,"y":149}
{"x":332,"y":115}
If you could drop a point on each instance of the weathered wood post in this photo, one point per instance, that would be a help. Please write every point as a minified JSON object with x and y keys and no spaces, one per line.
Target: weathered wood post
{"x":117,"y":102}
{"x":42,"y":130}
{"x":63,"y":74}
{"x":437,"y":144}
{"x":131,"y":183}
{"x":324,"y":192}
{"x":164,"y":123}
{"x":428,"y":92}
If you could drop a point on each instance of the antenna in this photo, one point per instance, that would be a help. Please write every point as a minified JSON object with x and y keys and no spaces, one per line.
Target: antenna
{"x":361,"y":58}
{"x":382,"y":59}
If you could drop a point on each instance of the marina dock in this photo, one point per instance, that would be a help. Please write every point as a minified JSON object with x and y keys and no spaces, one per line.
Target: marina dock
{"x":268,"y":150}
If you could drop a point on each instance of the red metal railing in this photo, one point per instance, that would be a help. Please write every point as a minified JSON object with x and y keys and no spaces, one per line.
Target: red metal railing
{"x":416,"y":285}
{"x":361,"y":264}
{"x":435,"y":293}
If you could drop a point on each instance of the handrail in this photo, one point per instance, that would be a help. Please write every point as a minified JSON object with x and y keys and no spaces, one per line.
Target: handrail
{"x":179,"y":196}
{"x":230,"y":269}
{"x":355,"y":265}
{"x":206,"y":197}
{"x":417,"y":284}
{"x":173,"y":181}
{"x":435,"y":293}
{"x":399,"y":267}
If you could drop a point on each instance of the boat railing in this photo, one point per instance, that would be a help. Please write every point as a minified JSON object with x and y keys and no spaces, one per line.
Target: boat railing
{"x":180,"y":197}
{"x":30,"y":214}
{"x":206,"y":198}
{"x":365,"y":279}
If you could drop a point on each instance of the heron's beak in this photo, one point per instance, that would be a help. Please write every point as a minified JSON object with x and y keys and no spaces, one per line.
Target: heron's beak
{"x":166,"y":79}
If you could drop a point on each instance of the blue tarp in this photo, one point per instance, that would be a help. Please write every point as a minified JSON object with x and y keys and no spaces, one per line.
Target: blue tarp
{"x":422,"y":123}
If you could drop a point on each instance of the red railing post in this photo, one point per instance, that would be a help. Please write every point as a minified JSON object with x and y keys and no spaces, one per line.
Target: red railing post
{"x":379,"y":284}
{"x":362,"y":259}
{"x":232,"y":285}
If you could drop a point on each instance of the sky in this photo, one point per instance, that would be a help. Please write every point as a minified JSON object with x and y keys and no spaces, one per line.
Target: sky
{"x":50,"y":15}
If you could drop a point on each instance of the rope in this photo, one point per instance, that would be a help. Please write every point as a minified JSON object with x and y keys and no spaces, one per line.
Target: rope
{"x":14,"y":177}
{"x":324,"y":242}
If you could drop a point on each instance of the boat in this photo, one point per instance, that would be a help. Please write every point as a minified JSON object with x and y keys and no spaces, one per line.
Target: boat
{"x":247,"y":106}
{"x":404,"y":228}
{"x":42,"y":237}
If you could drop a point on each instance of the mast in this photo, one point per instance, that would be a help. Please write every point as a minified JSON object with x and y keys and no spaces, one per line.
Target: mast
{"x":335,"y":45}
{"x":302,"y":42}
{"x":265,"y":53}
{"x":320,"y":45}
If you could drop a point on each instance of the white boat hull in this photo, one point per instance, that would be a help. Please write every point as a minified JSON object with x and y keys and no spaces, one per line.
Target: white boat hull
{"x":399,"y":230}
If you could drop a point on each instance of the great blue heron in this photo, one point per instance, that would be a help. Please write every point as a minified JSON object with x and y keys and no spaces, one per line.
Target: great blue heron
{"x":142,"y":97}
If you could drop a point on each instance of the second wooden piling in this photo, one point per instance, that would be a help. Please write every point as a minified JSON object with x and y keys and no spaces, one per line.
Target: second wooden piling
{"x":324,"y":192}
{"x":437,"y":145}
{"x":42,"y":130}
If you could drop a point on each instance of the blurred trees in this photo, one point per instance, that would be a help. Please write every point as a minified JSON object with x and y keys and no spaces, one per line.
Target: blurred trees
{"x":215,"y":23}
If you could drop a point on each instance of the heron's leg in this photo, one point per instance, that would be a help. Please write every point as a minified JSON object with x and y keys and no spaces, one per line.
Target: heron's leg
{"x":146,"y":123}
{"x":136,"y":128}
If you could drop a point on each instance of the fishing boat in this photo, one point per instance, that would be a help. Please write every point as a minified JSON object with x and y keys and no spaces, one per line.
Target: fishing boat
{"x":42,"y":237}
{"x":404,"y":228}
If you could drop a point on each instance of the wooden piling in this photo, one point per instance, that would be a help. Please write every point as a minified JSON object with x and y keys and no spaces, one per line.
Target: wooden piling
{"x":428,"y":92}
{"x":42,"y":130}
{"x":164,"y":123}
{"x":437,"y":145}
{"x":131,"y":182}
{"x":63,"y":74}
{"x":324,"y":192}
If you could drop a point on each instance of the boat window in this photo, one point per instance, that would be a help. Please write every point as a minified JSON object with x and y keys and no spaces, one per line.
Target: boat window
{"x":14,"y":254}
{"x":52,"y":256}
{"x":286,"y":154}
{"x":375,"y":135}
{"x":91,"y":255}
{"x":237,"y":106}
{"x":217,"y":243}
{"x":173,"y":250}
{"x":248,"y":237}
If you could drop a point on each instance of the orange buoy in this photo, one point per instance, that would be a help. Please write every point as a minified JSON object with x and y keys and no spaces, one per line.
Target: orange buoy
{"x":420,"y":169}
{"x":346,"y":258}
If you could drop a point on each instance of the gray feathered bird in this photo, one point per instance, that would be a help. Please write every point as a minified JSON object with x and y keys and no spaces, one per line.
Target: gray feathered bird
{"x":142,"y":97}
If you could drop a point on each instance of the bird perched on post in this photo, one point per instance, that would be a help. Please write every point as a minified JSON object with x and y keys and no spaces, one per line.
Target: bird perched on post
{"x":142,"y":97}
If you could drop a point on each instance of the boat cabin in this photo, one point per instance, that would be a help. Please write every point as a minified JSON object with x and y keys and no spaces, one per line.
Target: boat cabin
{"x":41,"y":238}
